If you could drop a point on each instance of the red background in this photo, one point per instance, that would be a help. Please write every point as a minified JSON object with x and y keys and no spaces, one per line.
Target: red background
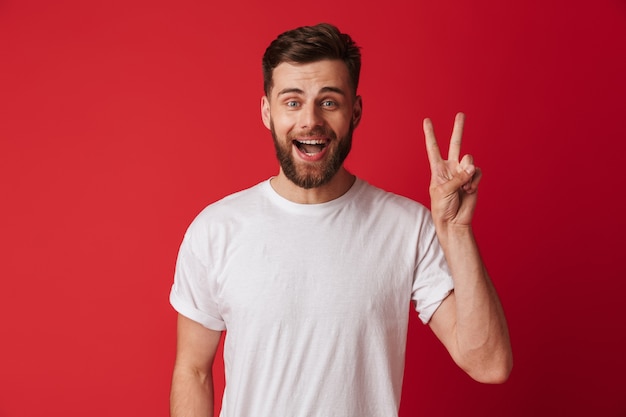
{"x":121,"y":120}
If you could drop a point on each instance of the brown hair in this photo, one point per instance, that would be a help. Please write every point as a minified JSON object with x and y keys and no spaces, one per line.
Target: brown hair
{"x":308,"y":44}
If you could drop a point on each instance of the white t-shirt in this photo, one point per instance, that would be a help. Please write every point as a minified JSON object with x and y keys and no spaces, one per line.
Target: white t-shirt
{"x":314,"y":297}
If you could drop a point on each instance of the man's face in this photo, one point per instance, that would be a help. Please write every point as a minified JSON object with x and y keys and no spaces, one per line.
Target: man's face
{"x":311,"y":112}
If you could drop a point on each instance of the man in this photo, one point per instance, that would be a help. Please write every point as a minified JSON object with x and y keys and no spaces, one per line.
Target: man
{"x":311,"y":272}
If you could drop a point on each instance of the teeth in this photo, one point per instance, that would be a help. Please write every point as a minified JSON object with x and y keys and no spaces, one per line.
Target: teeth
{"x":312,"y":142}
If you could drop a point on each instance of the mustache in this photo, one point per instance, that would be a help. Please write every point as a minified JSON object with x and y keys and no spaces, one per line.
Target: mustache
{"x":316,"y":131}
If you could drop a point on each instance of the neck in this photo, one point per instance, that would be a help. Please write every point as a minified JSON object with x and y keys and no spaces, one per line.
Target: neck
{"x":336,"y":187}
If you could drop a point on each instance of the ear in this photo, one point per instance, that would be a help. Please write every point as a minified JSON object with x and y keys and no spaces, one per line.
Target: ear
{"x":265,"y":111}
{"x":357,"y":110}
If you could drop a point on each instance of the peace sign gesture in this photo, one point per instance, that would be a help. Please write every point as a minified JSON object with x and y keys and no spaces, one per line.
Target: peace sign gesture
{"x":453,"y":182}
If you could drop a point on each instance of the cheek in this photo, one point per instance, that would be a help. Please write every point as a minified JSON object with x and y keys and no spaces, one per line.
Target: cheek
{"x":282,"y":125}
{"x":341,"y":125}
{"x":279,"y":130}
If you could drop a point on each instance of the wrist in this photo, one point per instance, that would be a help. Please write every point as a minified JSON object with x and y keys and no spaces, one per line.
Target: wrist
{"x":453,"y":232}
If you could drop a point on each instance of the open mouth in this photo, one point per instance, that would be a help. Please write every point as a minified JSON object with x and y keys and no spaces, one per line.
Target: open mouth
{"x":310,"y":147}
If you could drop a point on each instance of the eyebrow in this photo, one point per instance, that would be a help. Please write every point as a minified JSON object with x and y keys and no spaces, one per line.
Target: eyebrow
{"x":322,"y":90}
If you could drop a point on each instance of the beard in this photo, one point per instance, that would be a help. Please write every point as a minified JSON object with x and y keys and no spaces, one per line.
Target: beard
{"x":313,"y":174}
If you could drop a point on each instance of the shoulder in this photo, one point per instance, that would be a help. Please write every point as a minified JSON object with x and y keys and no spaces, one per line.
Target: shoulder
{"x":378,"y":199}
{"x":229,"y":210}
{"x":232,"y":204}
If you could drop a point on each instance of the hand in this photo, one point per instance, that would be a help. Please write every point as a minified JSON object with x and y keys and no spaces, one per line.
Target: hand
{"x":453,"y":183}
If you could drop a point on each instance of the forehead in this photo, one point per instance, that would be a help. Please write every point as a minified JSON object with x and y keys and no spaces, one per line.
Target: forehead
{"x":310,"y":77}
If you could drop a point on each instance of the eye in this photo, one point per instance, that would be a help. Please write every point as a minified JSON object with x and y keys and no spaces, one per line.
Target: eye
{"x":292,"y":103}
{"x":329,"y":103}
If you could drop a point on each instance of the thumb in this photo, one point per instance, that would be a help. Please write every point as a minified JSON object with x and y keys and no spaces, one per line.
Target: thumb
{"x":462,"y":176}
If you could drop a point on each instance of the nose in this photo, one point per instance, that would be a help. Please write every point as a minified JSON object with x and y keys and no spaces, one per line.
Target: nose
{"x":310,"y":116}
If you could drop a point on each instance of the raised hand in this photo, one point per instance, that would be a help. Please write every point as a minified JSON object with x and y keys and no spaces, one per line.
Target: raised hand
{"x":453,"y":182}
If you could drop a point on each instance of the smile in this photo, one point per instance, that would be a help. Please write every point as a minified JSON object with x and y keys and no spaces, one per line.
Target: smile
{"x":311,"y":147}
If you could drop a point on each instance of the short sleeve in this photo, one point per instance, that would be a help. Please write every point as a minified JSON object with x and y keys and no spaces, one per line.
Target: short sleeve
{"x":432,"y":281}
{"x":193,"y":293}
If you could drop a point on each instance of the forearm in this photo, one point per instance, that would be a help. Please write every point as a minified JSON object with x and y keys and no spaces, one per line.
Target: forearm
{"x":481,"y":337}
{"x":192,"y":394}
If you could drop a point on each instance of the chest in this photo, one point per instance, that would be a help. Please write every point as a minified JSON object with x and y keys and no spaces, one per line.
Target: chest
{"x":288,"y":273}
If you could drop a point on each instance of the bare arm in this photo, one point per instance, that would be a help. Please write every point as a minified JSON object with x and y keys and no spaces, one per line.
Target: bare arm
{"x":470,"y":322}
{"x":192,"y":380}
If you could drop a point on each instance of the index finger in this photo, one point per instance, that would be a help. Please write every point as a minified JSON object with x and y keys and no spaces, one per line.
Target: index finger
{"x":455,"y":140}
{"x":432,"y":148}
